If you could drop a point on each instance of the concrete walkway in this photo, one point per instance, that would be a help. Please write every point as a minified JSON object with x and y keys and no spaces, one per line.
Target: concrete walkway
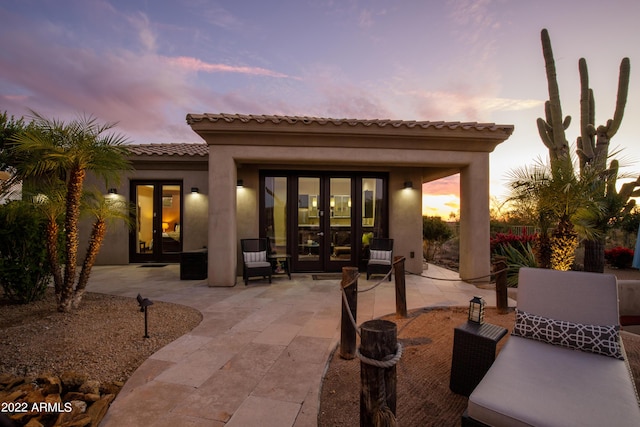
{"x":259,"y":354}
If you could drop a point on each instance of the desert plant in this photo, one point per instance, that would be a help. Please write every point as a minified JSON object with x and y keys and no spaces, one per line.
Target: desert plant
{"x":519,"y":254}
{"x":24,"y":267}
{"x":592,"y":150}
{"x":53,"y":151}
{"x":435,"y":232}
{"x":619,"y":257}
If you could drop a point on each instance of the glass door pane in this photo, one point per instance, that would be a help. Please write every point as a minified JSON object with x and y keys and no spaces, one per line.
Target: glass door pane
{"x":275,"y":214}
{"x":340,"y":206}
{"x":144,"y":219}
{"x":309,"y":224}
{"x":373,"y":210}
{"x":170,"y":224}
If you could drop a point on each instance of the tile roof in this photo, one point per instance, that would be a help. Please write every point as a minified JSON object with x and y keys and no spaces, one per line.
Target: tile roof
{"x":381,"y":123}
{"x":172,"y":149}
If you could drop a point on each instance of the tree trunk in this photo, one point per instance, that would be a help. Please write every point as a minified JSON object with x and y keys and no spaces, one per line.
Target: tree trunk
{"x":594,"y":255}
{"x":74,"y":193}
{"x":52,"y":255}
{"x":97,"y":236}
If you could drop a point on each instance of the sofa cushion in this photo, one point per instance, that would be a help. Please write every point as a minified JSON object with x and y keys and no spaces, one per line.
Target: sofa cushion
{"x":533,"y":383}
{"x":597,"y":339}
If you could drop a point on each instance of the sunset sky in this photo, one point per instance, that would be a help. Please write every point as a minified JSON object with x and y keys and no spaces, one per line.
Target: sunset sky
{"x":146,"y":64}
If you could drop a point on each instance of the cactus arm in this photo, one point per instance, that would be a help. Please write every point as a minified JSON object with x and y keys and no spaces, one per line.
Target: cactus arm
{"x":544,"y":130}
{"x":553,"y":108}
{"x":585,"y":111}
{"x":623,"y":90}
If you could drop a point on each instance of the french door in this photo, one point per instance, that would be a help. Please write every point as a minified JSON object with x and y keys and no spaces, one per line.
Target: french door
{"x":324,"y":220}
{"x":157,"y":232}
{"x":324,"y":223}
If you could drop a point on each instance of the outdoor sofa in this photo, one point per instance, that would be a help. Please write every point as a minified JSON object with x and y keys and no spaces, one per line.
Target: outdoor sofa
{"x":538,"y":380}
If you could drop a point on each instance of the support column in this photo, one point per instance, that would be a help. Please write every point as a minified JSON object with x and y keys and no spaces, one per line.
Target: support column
{"x":474,"y":219}
{"x":223,"y":242}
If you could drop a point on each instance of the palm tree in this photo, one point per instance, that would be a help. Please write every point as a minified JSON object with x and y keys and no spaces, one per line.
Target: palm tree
{"x":102,"y":209}
{"x":564,"y":203}
{"x":66,"y":151}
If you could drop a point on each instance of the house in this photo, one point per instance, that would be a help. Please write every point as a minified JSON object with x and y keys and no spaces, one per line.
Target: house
{"x":318,"y":188}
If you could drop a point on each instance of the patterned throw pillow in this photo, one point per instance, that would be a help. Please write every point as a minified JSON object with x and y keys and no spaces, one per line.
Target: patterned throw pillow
{"x":597,"y":339}
{"x":255,"y":256}
{"x":381,"y":255}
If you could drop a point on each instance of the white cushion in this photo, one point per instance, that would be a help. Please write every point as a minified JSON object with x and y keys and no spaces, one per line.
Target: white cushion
{"x":537,"y":384}
{"x":260,"y":256}
{"x":380,"y":255}
{"x":256,"y":264}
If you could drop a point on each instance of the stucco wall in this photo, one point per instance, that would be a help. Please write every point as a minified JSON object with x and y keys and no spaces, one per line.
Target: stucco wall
{"x":115,"y":249}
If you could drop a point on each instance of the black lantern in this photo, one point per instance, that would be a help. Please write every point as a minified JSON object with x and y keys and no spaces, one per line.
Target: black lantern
{"x":476,"y":310}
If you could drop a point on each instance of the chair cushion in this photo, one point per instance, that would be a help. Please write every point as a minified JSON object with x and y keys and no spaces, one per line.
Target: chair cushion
{"x":257,"y":264}
{"x":597,"y":339}
{"x":260,"y":256}
{"x":380,"y":255}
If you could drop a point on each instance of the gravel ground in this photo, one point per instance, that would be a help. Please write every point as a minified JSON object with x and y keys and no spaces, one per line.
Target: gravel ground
{"x":103,"y":338}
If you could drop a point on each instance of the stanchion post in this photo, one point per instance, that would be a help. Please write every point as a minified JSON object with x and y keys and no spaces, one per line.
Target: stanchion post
{"x":401,"y":290}
{"x":349,"y":285}
{"x":378,"y":340}
{"x":500,"y":270}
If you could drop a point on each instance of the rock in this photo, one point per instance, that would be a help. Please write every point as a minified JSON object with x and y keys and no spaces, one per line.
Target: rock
{"x":90,"y":386}
{"x":113,"y":388}
{"x":50,"y":385}
{"x":73,"y":395}
{"x":72,"y":380}
{"x":81,"y":421}
{"x":99,"y":408}
{"x":90,"y":397}
{"x":34,"y":422}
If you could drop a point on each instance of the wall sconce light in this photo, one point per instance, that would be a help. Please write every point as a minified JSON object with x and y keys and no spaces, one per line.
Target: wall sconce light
{"x":408,"y":185}
{"x":195,"y":190}
{"x":240,"y":184}
{"x":476,"y":310}
{"x":113,"y":191}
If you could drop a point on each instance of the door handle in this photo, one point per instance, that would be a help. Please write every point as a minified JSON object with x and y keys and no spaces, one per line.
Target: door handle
{"x":321,"y":233}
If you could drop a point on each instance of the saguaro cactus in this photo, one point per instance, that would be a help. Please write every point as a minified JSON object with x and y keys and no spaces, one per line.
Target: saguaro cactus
{"x":592,"y":148}
{"x":552,"y":130}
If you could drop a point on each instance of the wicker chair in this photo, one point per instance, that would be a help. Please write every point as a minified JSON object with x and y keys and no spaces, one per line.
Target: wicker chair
{"x":380,"y":257}
{"x":254,"y":259}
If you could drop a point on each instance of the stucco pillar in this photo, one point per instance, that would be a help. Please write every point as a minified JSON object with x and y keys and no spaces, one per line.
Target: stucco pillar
{"x":474,"y":219}
{"x":222,"y":218}
{"x":405,"y":217}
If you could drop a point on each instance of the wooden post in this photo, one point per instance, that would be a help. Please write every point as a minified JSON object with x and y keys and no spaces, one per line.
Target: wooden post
{"x":401,"y":291}
{"x":347,"y":331}
{"x":500,"y":270}
{"x":378,"y":340}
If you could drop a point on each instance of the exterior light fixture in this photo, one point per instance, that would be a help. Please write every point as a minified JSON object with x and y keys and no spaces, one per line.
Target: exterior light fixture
{"x":144,"y":303}
{"x":195,"y":190}
{"x":240,"y":183}
{"x":408,"y":185}
{"x":476,"y":310}
{"x":113,"y":191}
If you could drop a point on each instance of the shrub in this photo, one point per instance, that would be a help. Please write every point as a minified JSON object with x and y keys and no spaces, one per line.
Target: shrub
{"x":24,"y":269}
{"x":502,"y":240}
{"x":434,"y":232}
{"x":517,"y":255}
{"x":619,"y":257}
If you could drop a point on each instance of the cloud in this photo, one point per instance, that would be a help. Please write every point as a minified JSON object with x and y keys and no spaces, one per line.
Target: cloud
{"x":195,"y":64}
{"x":443,"y":187}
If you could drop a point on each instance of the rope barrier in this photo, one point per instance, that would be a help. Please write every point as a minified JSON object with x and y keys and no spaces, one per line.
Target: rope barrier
{"x":457,"y":280}
{"x":388,"y":361}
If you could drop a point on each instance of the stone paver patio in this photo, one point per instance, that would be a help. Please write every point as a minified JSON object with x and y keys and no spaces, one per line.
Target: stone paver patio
{"x":259,"y":354}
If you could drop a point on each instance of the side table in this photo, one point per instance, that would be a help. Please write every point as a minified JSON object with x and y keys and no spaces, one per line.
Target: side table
{"x":282,"y":260}
{"x":474,"y":351}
